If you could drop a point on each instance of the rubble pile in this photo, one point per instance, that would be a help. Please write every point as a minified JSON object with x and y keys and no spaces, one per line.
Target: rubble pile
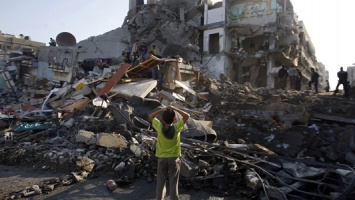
{"x":269,"y":143}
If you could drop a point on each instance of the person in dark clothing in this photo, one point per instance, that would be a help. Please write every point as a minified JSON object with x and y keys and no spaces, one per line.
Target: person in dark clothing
{"x":143,"y":51}
{"x":282,"y":75}
{"x":327,"y":87}
{"x":126,"y":58}
{"x":342,"y":79}
{"x":299,"y":80}
{"x":347,"y":88}
{"x":314,"y":79}
{"x":52,"y":42}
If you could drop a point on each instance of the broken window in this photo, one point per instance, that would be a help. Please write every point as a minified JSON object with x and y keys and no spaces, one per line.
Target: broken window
{"x":214,"y":44}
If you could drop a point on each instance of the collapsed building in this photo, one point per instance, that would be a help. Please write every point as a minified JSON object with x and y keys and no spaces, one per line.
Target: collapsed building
{"x":246,"y":41}
{"x":245,"y":138}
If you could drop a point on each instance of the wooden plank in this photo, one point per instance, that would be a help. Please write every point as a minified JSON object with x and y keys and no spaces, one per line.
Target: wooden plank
{"x":114,"y":79}
{"x":144,"y":66}
{"x":38,"y":91}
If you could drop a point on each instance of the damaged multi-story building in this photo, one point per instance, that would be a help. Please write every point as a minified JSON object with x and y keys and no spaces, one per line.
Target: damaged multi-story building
{"x":248,"y":41}
{"x":18,"y":51}
{"x":251,"y":40}
{"x":17,"y":44}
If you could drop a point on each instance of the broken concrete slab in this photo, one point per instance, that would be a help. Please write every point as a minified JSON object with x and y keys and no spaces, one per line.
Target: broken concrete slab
{"x":190,"y":90}
{"x":109,"y":140}
{"x":86,"y":137}
{"x":75,"y":105}
{"x":86,"y":164}
{"x":114,"y":79}
{"x":127,"y":90}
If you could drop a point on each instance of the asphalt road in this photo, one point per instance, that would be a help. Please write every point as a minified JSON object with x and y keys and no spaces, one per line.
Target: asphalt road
{"x":15,"y":178}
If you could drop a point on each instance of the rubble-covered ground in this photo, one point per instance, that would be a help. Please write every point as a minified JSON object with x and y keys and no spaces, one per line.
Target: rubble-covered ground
{"x":263,"y":143}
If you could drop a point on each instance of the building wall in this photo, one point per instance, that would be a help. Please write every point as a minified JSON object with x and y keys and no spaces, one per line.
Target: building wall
{"x":107,"y":45}
{"x":215,"y":15}
{"x":206,"y":38}
{"x":216,"y":65}
{"x":351,"y":75}
{"x":216,"y":61}
{"x":11,"y":43}
{"x":253,"y":12}
{"x":54,"y":63}
{"x":323,"y":76}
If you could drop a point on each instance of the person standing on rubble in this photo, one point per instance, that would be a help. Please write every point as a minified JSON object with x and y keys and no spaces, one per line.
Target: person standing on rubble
{"x":52,"y":42}
{"x":314,"y":79}
{"x":293,"y":74}
{"x":135,"y":48}
{"x":143,"y":51}
{"x":327,"y":86}
{"x":155,"y":70}
{"x":342,"y":79}
{"x":153,"y":51}
{"x":168,"y":150}
{"x":299,"y":80}
{"x":282,"y":75}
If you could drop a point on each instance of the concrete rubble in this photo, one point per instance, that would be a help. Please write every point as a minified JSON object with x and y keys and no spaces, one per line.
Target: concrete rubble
{"x":87,"y":117}
{"x":241,"y":140}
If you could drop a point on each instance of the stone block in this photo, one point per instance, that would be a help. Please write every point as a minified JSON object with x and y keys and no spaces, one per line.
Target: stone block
{"x":136,"y":149}
{"x":86,"y":137}
{"x":166,"y":95}
{"x":108,"y":140}
{"x":86,"y":164}
{"x":188,"y":169}
{"x":214,"y":89}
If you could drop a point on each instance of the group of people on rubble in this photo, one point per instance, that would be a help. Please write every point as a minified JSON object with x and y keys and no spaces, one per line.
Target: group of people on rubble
{"x":138,"y":53}
{"x":294,"y":75}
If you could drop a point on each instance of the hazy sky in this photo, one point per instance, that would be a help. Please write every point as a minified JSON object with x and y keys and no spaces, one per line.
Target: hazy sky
{"x":330,"y":24}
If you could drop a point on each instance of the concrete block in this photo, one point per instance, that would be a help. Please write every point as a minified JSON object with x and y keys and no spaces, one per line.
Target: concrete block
{"x":214,"y":89}
{"x":86,"y":164}
{"x":86,"y":137}
{"x":166,"y":95}
{"x":109,"y":140}
{"x":136,"y":149}
{"x":188,"y":169}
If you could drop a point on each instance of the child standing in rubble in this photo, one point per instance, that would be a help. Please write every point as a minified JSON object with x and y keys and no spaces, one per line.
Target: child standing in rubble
{"x":168,"y":150}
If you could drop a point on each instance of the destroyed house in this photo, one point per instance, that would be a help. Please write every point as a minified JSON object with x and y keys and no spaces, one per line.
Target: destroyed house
{"x":11,"y":45}
{"x":250,"y":40}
